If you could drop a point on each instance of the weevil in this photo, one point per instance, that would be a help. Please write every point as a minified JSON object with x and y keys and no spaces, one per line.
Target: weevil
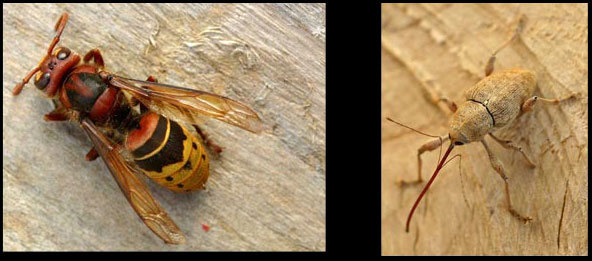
{"x":494,"y":102}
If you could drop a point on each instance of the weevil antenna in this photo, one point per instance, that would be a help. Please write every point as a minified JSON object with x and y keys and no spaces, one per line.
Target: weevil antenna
{"x":433,"y":136}
{"x":460,"y":174}
{"x":403,"y":125}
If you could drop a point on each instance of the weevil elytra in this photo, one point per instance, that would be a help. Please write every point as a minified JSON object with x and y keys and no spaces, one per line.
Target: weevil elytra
{"x":494,"y":102}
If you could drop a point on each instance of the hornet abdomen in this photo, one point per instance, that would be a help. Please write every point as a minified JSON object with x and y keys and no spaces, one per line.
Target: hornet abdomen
{"x":168,"y":153}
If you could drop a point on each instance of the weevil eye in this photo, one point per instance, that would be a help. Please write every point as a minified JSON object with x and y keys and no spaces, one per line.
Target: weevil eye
{"x":42,"y":80}
{"x":63,"y":53}
{"x":458,"y":143}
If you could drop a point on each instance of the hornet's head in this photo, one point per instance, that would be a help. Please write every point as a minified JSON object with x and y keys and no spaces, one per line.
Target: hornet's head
{"x":53,"y":66}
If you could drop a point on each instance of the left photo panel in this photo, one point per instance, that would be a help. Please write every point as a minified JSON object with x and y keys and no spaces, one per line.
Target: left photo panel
{"x":167,"y":127}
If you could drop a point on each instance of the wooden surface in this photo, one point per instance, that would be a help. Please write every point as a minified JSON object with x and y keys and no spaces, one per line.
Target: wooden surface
{"x":441,"y":49}
{"x":265,"y":192}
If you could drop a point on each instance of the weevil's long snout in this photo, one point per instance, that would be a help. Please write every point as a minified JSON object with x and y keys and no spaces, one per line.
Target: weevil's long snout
{"x":425,"y":189}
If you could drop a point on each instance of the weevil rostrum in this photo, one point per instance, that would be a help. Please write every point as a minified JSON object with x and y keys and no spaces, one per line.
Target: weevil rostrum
{"x":494,"y":102}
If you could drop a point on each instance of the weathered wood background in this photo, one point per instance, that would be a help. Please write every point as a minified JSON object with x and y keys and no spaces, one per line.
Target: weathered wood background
{"x":441,"y":49}
{"x":265,"y":192}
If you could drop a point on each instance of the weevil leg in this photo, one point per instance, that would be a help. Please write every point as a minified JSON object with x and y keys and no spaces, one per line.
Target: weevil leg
{"x":436,"y":99}
{"x":451,"y":105}
{"x":499,"y":168}
{"x":510,"y":145}
{"x":462,"y":185}
{"x":96,"y":55}
{"x":490,"y":63}
{"x":529,"y":104}
{"x":428,"y":146}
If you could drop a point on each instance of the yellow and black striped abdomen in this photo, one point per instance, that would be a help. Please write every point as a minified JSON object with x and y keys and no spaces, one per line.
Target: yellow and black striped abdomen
{"x":168,"y":153}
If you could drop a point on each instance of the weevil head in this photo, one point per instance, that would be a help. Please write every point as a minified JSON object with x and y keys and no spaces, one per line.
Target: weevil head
{"x":471,"y":122}
{"x":53,"y":68}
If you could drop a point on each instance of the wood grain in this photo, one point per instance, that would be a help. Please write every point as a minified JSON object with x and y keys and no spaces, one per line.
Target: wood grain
{"x":431,"y":50}
{"x":265,"y":192}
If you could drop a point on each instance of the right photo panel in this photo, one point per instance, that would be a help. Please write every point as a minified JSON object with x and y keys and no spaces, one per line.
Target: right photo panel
{"x":484,"y":129}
